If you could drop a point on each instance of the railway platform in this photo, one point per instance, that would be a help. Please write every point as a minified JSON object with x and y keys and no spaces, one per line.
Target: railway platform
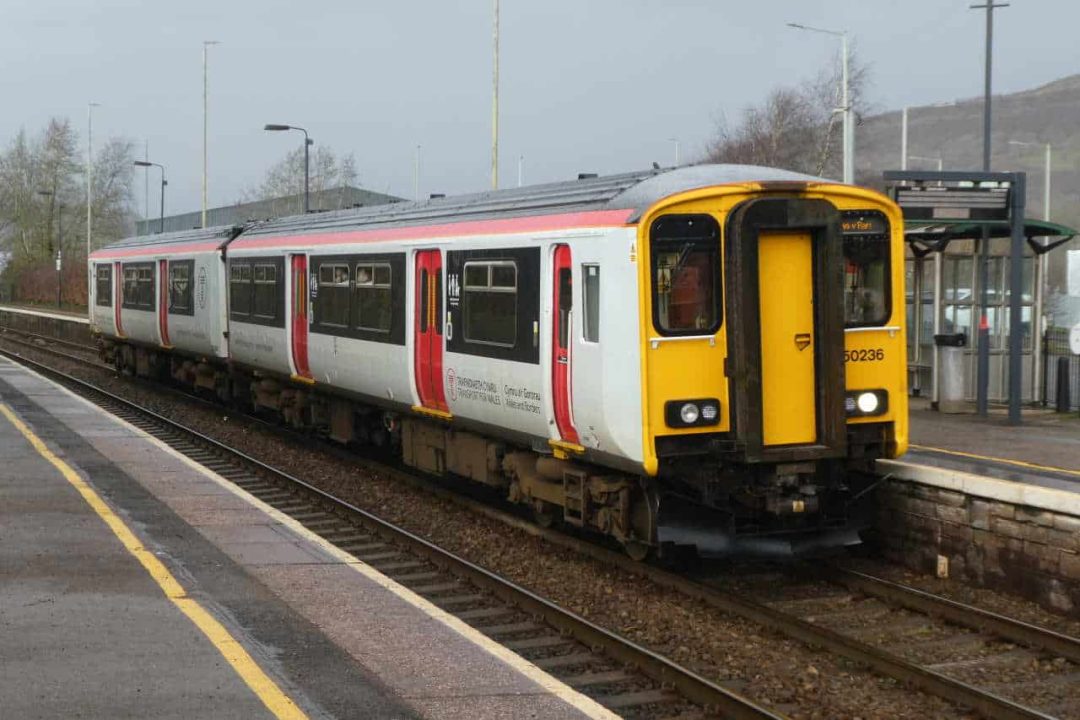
{"x":137,"y":583}
{"x":1044,"y":451}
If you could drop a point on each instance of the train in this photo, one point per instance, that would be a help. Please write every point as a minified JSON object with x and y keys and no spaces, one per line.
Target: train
{"x":705,"y":358}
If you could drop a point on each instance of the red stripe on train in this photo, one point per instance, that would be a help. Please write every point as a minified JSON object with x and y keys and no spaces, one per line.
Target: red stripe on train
{"x":533,"y":223}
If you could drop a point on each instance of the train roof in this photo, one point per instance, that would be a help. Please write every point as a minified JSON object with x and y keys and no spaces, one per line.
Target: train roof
{"x":634,"y":192}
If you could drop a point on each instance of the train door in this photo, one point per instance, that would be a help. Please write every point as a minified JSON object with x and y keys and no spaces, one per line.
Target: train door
{"x":163,"y":302}
{"x":786,"y":304}
{"x":561,"y":343}
{"x":118,"y":297}
{"x":786,"y":327}
{"x":299,"y":316}
{"x":428,"y":330}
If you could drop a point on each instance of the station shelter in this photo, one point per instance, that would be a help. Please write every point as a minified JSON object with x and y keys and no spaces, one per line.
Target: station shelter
{"x":942,"y":281}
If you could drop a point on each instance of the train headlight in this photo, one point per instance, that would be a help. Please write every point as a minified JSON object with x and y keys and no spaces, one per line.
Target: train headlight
{"x":867,"y":402}
{"x":698,"y":412}
{"x":863,"y":403}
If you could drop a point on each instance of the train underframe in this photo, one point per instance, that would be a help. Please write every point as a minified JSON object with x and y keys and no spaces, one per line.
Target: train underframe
{"x":705,"y":499}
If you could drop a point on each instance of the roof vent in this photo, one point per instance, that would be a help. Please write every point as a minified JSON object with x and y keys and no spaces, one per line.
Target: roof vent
{"x":586,"y":176}
{"x":436,"y":196}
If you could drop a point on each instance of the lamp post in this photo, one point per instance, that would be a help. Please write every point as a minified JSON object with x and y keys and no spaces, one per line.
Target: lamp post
{"x":416,"y":175}
{"x":89,"y":194}
{"x":676,"y":141}
{"x":205,"y":88}
{"x":145,"y":164}
{"x":845,"y":99}
{"x":308,"y":142}
{"x":495,"y":101}
{"x":59,"y":244}
{"x":1041,"y":265}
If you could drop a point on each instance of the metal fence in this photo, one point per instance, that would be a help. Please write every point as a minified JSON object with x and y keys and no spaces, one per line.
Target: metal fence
{"x":1060,"y":365}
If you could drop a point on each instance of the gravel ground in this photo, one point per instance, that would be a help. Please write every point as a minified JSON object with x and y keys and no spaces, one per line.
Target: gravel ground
{"x":788,"y":676}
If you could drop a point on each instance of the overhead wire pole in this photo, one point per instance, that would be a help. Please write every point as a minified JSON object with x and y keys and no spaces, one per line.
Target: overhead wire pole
{"x":495,"y":107}
{"x":205,"y":98}
{"x":982,"y":376}
{"x":416,"y":175}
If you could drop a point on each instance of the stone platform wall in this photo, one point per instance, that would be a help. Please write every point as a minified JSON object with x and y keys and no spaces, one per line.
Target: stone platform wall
{"x":995,"y":534}
{"x":69,"y":330}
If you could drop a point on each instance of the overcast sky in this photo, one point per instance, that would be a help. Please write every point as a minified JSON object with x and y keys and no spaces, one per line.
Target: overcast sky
{"x":587,"y":85}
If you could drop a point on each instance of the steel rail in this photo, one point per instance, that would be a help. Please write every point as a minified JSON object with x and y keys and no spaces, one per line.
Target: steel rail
{"x":927,"y":680}
{"x":689,"y":684}
{"x":958,"y":613}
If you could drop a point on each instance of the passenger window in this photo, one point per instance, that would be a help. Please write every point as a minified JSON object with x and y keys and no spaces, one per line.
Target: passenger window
{"x":138,"y":287}
{"x":686,"y":274}
{"x":373,"y":301}
{"x":180,"y":287}
{"x":591,"y":313}
{"x":240,"y":289}
{"x":866,"y":275}
{"x":490,"y":303}
{"x":332,"y":307}
{"x":103,"y":288}
{"x":264,"y":294}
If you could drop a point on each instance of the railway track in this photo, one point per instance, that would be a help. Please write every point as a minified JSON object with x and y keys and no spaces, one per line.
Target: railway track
{"x":622,"y":676}
{"x":966,"y":639}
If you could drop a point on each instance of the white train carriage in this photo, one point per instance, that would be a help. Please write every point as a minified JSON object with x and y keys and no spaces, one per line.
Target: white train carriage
{"x":472,"y":320}
{"x":163,"y":292}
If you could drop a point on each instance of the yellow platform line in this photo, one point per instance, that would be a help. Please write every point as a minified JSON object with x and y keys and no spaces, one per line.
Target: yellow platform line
{"x":1018,"y":463}
{"x":275,"y":700}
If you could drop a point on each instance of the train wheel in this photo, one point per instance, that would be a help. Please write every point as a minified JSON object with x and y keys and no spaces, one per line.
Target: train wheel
{"x":638,"y":551}
{"x":543,"y":514}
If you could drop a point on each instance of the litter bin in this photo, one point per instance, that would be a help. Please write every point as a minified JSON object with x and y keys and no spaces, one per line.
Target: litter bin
{"x":951,"y":378}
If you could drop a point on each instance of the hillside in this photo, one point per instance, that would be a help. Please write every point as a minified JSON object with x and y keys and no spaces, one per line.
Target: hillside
{"x":954,"y":133}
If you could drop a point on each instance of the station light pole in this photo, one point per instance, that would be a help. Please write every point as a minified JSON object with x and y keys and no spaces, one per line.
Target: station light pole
{"x":89,"y":195}
{"x":676,"y":141}
{"x":145,"y":164}
{"x":1042,"y":265}
{"x":495,"y":103}
{"x":59,"y":245}
{"x":205,"y":140}
{"x":845,"y":99}
{"x":308,"y":142}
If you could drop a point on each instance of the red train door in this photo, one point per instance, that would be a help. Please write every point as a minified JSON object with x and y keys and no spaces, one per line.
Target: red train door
{"x":428,"y":329}
{"x":163,"y":301}
{"x":299,"y":315}
{"x":118,"y":297}
{"x":562,"y":337}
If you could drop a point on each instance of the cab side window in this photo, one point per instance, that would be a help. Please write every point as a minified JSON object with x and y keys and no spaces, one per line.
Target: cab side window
{"x":686,"y":288}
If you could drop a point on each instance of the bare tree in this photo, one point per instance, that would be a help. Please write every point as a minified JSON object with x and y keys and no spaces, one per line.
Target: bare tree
{"x":284,"y":181}
{"x":795,"y":128}
{"x":42,"y":191}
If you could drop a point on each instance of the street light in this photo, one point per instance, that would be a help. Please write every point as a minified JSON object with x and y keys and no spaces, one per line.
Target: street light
{"x":1042,"y":266}
{"x":205,"y":91}
{"x":145,"y":164}
{"x":845,"y":102}
{"x":676,"y":141}
{"x":1046,"y":173}
{"x":59,"y":244}
{"x":307,"y":143}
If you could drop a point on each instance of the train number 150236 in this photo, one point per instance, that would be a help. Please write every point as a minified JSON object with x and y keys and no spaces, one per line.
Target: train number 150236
{"x":868,"y":355}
